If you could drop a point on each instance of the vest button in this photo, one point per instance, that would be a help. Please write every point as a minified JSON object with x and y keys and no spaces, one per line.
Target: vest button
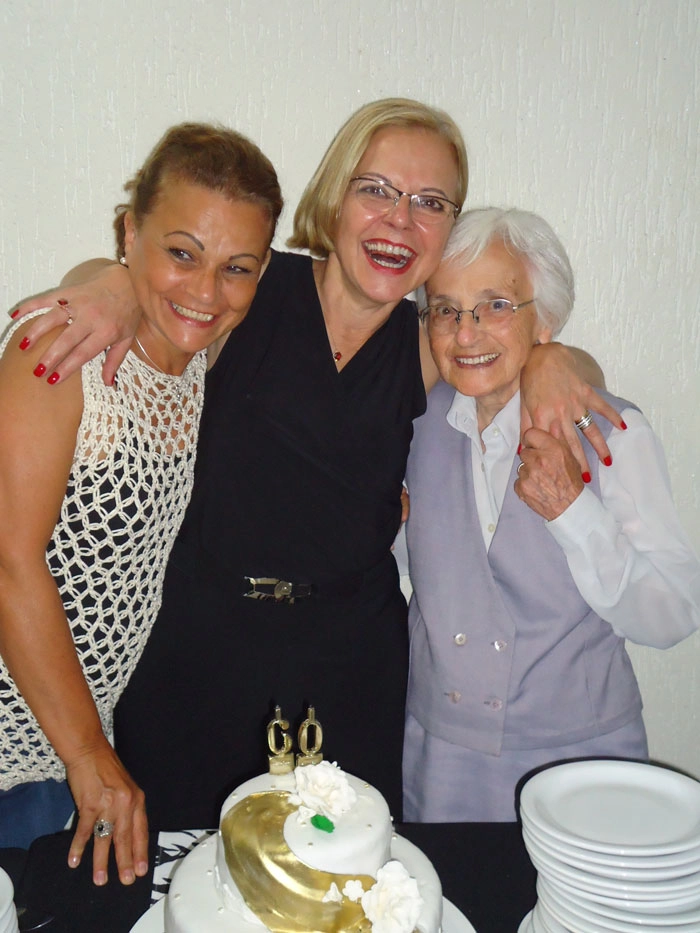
{"x":500,"y":645}
{"x":460,"y":639}
{"x":455,"y":696}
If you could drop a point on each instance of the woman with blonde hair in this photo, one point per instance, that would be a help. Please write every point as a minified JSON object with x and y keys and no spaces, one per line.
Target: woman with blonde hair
{"x":281,"y":587}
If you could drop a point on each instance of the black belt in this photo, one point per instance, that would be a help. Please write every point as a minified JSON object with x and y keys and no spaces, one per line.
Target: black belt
{"x":285,"y":591}
{"x":282,"y":591}
{"x":196,"y":563}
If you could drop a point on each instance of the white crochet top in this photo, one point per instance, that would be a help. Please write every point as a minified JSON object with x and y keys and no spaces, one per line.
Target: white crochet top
{"x":129,"y":486}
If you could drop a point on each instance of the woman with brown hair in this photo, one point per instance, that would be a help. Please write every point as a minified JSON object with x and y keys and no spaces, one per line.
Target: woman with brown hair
{"x":109,"y":471}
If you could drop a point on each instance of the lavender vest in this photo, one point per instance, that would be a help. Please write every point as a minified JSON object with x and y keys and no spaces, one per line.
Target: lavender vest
{"x":505,"y":653}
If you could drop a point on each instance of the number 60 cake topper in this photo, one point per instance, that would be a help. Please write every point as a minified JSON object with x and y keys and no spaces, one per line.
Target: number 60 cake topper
{"x":282,"y":759}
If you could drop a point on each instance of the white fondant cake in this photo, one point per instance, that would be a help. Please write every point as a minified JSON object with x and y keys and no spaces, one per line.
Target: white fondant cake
{"x":270,"y":866}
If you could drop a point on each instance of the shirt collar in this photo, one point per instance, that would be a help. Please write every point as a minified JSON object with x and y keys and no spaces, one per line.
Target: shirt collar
{"x":462,"y":417}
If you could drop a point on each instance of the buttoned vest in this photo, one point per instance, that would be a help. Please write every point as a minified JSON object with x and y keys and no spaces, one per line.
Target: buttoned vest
{"x":505,"y":653}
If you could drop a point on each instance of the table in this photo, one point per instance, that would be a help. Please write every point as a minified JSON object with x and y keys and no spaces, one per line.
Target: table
{"x":484,"y":869}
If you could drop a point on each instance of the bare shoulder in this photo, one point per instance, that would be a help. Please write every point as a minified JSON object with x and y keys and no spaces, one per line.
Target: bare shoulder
{"x":20,"y":387}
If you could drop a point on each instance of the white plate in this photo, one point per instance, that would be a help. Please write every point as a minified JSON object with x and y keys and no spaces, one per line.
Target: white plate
{"x":153,"y":921}
{"x":617,"y":807}
{"x":569,"y":856}
{"x":627,"y":913}
{"x":453,"y":920}
{"x":667,"y":904}
{"x":581,"y":920}
{"x":585,"y":882}
{"x":674,"y":863}
{"x":544,"y":922}
{"x":540,"y":921}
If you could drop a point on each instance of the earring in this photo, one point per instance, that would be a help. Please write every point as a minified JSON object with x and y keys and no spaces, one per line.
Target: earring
{"x":122,"y":260}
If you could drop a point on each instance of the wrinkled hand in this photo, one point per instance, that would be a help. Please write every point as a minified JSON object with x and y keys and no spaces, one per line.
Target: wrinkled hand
{"x":104,"y":313}
{"x":553,"y":394}
{"x":102,"y":789}
{"x":550,"y":478}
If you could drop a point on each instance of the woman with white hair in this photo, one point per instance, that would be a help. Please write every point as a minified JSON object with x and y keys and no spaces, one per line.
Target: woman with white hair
{"x":527,"y":576}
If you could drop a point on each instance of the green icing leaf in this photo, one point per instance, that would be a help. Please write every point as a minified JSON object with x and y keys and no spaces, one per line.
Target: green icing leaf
{"x":322,"y":822}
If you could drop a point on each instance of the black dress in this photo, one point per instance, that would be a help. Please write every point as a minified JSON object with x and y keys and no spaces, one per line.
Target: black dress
{"x":298,"y":477}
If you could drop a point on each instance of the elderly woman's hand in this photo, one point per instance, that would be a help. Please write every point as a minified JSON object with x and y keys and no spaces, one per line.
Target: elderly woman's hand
{"x":98,"y":299}
{"x":554,"y":393}
{"x":103,"y":790}
{"x":550,"y":478}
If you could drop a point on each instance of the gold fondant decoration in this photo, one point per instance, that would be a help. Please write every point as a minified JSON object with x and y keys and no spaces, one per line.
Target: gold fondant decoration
{"x":284,"y":893}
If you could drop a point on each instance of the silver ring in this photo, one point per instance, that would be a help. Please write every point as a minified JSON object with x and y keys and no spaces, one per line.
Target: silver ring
{"x":103,"y":829}
{"x":585,"y":422}
{"x":520,"y":466}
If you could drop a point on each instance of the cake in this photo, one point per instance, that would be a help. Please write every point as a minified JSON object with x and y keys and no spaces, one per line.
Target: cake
{"x":271,"y":866}
{"x":304,"y":849}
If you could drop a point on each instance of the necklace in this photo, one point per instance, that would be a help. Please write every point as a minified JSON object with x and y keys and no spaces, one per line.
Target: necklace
{"x":318,"y":272}
{"x":177,"y":380}
{"x":337,"y":355}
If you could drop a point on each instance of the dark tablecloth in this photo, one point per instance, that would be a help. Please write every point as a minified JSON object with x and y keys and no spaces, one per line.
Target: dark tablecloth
{"x":484,"y":869}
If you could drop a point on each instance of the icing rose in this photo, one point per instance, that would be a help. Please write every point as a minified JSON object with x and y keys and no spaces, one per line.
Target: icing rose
{"x":393,"y":904}
{"x":332,"y":895}
{"x":324,"y":788}
{"x":353,"y":890}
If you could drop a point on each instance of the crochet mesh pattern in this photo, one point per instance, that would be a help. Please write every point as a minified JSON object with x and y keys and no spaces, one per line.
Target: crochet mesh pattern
{"x":130,"y":483}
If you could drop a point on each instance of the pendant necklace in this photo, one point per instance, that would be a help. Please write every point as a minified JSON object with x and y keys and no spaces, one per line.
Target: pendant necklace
{"x":337,"y":355}
{"x":177,"y":380}
{"x":318,"y":278}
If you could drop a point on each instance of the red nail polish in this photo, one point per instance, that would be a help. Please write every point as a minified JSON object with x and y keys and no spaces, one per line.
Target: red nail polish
{"x":15,"y":312}
{"x":623,"y":425}
{"x":62,"y":302}
{"x":40,"y":370}
{"x":586,"y":477}
{"x":24,"y":343}
{"x":608,"y":460}
{"x":520,"y":447}
{"x":53,"y":379}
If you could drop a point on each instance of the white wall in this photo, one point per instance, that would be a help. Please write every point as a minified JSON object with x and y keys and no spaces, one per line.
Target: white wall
{"x":586,"y":112}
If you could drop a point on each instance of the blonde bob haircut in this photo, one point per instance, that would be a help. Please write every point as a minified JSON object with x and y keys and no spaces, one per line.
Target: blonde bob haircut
{"x":319,"y":207}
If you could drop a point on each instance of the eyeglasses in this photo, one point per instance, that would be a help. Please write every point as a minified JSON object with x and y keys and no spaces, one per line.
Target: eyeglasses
{"x":444,"y":319}
{"x":380,"y":197}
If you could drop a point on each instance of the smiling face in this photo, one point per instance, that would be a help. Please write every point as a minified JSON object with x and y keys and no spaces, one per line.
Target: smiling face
{"x":479,"y":360}
{"x":381,"y":257}
{"x":194,"y":263}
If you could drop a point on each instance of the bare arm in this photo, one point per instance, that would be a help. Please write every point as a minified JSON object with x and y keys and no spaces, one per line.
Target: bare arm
{"x":105,"y":315}
{"x":37,"y":439}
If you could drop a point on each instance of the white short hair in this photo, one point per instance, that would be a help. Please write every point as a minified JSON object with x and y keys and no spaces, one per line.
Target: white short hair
{"x":530,"y":237}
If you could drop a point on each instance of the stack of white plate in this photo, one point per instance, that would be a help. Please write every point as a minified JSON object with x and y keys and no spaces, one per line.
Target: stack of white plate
{"x":616,"y":845}
{"x":8,"y":914}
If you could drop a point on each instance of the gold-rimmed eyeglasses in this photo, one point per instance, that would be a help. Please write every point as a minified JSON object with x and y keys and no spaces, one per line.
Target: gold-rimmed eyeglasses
{"x":381,"y":197}
{"x":442,"y":318}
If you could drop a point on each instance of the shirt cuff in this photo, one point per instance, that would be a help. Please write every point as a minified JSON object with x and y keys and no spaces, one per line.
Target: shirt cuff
{"x":575,"y":524}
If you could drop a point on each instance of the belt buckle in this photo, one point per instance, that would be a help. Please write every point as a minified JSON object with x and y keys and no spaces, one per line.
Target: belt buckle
{"x":281,"y":589}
